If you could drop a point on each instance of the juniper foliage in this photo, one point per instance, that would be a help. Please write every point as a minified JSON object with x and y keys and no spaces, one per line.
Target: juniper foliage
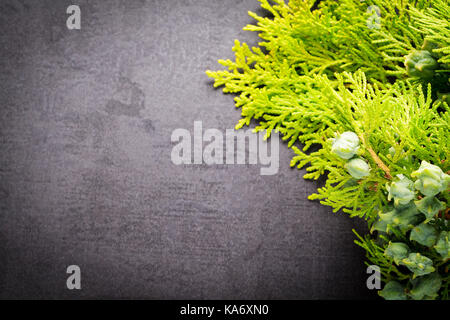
{"x":379,"y":69}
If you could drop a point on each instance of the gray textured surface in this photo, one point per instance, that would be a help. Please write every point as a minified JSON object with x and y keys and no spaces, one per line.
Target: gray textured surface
{"x":86,"y":176}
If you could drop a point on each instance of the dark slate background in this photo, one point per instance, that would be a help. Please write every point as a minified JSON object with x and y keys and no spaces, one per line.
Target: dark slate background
{"x":86,"y":176}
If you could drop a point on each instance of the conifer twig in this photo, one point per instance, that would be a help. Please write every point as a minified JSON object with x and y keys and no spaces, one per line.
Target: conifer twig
{"x":377,"y":159}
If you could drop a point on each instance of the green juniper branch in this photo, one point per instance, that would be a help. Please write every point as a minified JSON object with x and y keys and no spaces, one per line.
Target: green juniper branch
{"x":373,"y":100}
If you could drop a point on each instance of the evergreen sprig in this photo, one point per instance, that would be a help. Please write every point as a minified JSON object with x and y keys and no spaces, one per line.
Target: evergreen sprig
{"x":362,"y":87}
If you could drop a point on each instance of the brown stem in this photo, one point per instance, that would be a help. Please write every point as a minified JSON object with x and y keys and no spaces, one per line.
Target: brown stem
{"x":377,"y":160}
